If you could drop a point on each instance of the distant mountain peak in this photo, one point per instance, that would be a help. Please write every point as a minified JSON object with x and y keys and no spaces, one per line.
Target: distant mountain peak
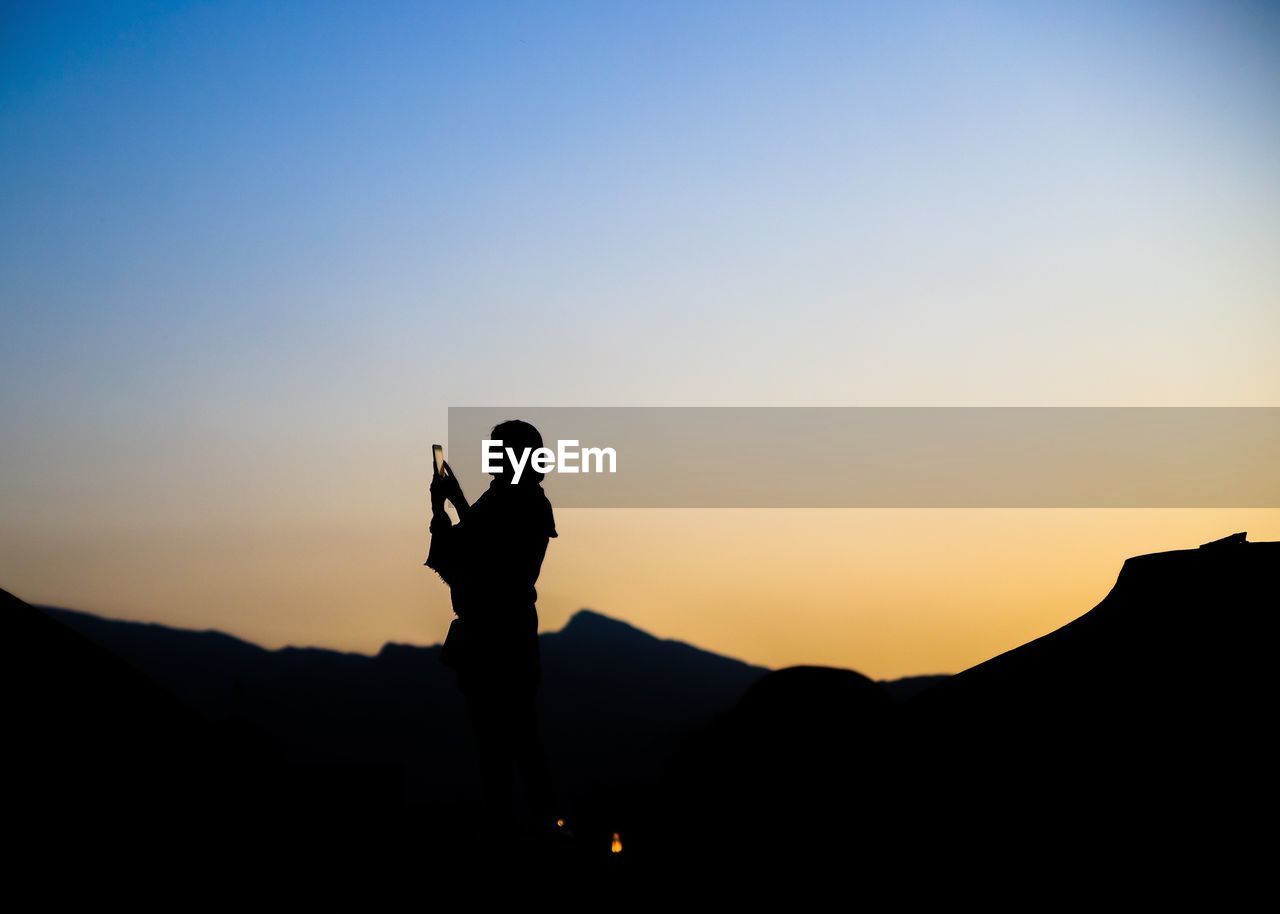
{"x":590,"y":622}
{"x":1234,"y":539}
{"x":398,"y":649}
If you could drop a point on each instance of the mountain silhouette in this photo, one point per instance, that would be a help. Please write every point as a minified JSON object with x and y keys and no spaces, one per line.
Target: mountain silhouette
{"x":1136,"y":724}
{"x":616,"y":700}
{"x":104,"y":765}
{"x":1123,"y":748}
{"x":1130,"y":735}
{"x":312,"y":754}
{"x":67,"y":699}
{"x":346,"y":733}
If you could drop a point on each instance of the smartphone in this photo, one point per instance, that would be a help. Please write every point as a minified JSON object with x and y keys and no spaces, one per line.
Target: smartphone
{"x":437,"y":452}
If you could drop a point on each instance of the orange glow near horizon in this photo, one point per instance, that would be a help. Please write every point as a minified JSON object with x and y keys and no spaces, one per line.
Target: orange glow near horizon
{"x":886,"y":592}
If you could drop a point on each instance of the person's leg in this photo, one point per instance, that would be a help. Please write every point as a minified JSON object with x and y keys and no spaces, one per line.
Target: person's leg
{"x":531,"y":760}
{"x":493,"y":756}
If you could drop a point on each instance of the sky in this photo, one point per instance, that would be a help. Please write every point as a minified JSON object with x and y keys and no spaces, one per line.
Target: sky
{"x":250,"y":253}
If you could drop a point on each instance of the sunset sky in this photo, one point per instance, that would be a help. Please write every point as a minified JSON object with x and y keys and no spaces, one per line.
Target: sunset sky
{"x":251,"y":252}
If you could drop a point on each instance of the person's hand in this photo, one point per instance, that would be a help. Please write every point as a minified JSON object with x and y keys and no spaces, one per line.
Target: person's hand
{"x":437,"y":495}
{"x":445,"y":486}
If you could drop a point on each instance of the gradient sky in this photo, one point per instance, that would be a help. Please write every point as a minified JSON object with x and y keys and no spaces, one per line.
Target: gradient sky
{"x":249,"y":253}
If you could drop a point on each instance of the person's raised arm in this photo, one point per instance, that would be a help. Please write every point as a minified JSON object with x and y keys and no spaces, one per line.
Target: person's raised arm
{"x":445,"y":556}
{"x":452,"y":491}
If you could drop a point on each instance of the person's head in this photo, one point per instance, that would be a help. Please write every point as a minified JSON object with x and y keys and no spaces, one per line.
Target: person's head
{"x":517,"y":435}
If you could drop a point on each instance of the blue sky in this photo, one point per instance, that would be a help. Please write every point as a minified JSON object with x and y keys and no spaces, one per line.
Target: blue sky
{"x":232,"y":182}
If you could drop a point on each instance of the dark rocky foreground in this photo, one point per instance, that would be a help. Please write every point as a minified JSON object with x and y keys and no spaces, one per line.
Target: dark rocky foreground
{"x":1122,"y":749}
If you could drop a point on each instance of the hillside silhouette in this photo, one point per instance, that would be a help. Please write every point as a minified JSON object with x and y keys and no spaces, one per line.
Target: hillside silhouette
{"x":616,"y":700}
{"x":102,"y":764}
{"x":337,"y":743}
{"x":1129,"y":737}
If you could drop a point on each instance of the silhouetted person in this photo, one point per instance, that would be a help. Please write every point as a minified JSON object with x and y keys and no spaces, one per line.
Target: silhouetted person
{"x":491,"y":559}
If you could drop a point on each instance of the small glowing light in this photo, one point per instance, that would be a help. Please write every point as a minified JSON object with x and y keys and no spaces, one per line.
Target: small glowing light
{"x":559,"y":823}
{"x":616,"y":846}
